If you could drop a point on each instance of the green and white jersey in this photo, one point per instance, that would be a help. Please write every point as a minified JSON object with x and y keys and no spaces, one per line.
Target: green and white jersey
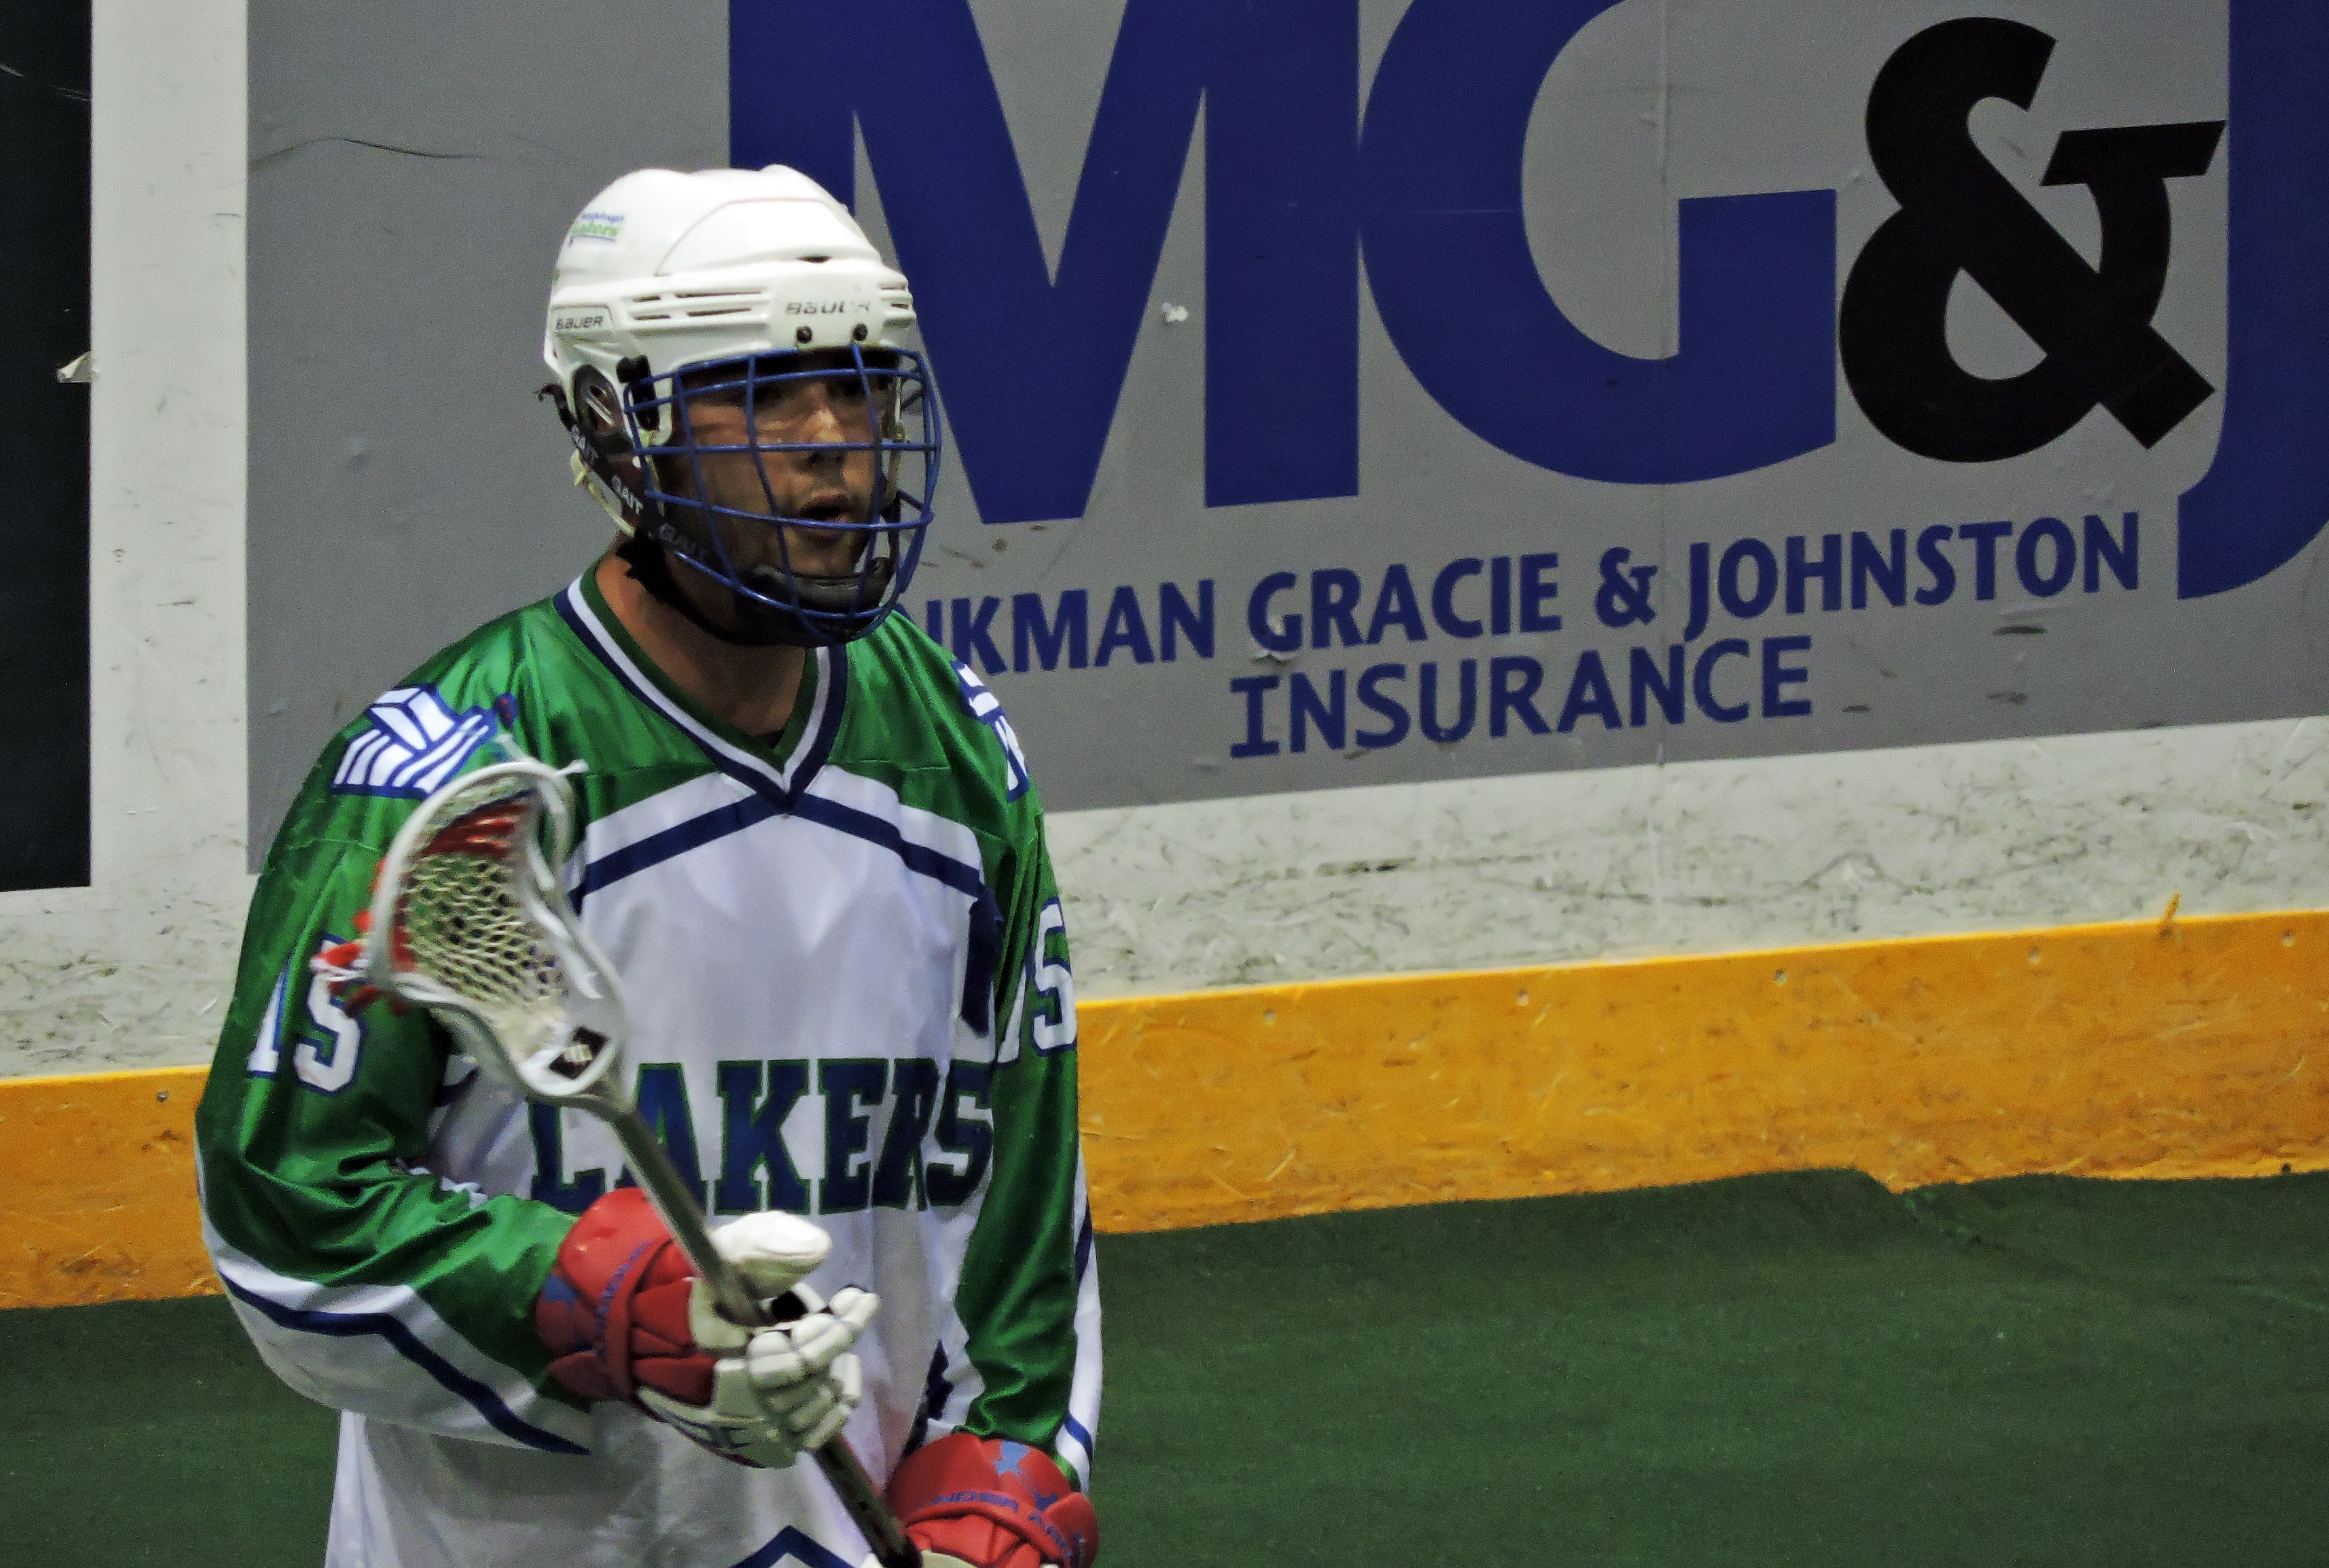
{"x":847,"y":977}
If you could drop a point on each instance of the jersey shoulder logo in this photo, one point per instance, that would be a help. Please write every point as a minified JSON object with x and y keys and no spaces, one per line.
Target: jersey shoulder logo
{"x":987,"y":709}
{"x":413,"y":743}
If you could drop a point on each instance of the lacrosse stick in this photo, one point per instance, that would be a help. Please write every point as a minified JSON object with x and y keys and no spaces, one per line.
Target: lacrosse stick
{"x":470,"y":920}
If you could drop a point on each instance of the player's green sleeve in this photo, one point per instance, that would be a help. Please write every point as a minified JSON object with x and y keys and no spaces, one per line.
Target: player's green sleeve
{"x":1029,"y":1297}
{"x":366,"y":1281}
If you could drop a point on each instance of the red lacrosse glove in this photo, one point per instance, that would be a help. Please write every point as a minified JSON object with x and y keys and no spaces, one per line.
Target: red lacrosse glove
{"x":992,"y":1504}
{"x":623,"y":1315}
{"x":614,"y":1310}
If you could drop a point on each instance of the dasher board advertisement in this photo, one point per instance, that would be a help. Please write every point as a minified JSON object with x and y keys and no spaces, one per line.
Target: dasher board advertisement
{"x":1353,"y":392}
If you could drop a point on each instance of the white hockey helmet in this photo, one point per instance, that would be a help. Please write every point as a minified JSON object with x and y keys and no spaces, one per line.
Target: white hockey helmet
{"x":731,"y":283}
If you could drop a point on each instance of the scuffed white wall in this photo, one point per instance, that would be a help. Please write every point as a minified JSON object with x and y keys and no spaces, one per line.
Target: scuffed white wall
{"x":1696,"y":858}
{"x":133,"y":970}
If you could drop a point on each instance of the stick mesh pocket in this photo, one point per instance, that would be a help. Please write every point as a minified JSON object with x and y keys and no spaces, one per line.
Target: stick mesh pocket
{"x":462,"y":924}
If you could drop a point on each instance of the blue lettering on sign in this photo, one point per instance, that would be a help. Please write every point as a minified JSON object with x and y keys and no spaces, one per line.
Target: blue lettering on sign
{"x":1277,"y":634}
{"x":1371,"y":695}
{"x":2267,"y":494}
{"x":1055,"y":632}
{"x":1034,"y":360}
{"x":1440,"y":163}
{"x":1126,"y":628}
{"x":1065,"y":632}
{"x":1253,"y":689}
{"x":1722,"y":679}
{"x":1372,"y":706}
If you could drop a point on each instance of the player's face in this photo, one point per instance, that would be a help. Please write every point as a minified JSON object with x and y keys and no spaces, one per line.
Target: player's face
{"x":810,"y":486}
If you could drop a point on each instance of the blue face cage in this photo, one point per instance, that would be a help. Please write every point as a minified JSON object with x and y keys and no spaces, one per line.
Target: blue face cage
{"x":903,"y":437}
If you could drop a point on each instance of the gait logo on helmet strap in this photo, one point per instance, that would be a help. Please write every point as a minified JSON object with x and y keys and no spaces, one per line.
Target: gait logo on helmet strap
{"x":594,"y":463}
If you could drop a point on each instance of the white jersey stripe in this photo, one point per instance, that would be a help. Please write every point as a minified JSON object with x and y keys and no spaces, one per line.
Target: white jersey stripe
{"x":661,"y":812}
{"x":432,"y":767}
{"x":394,"y":714}
{"x":380,"y":1349}
{"x":925,"y":829}
{"x":1078,"y":1440}
{"x":356,"y":766}
{"x":707,"y":809}
{"x":576,"y":608}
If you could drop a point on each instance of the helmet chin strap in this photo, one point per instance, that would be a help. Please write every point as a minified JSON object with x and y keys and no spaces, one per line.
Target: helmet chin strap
{"x":649,"y":565}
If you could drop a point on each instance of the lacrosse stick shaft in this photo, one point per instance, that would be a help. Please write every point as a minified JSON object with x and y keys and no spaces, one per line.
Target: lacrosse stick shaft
{"x":676,"y":1203}
{"x":668,"y":1191}
{"x":866,"y":1506}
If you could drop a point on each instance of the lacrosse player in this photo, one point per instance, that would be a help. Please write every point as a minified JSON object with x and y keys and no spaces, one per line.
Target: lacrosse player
{"x":810,"y":850}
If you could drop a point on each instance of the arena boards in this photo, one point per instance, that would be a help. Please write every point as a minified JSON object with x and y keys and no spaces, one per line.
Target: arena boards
{"x":2166,"y":1048}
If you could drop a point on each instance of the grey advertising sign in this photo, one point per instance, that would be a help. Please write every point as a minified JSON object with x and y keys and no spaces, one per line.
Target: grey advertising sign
{"x":1350,"y":392}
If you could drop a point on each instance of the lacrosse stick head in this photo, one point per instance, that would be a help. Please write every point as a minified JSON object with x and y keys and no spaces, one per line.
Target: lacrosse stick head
{"x":471,"y":920}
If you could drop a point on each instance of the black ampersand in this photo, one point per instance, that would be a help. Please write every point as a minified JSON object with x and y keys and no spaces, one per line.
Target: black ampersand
{"x":1959,"y":214}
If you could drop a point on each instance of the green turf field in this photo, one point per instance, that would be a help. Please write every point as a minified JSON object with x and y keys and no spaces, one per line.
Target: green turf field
{"x":1799,"y":1369}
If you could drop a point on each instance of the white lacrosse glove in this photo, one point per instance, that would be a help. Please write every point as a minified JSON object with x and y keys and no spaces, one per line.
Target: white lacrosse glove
{"x":774,"y":1391}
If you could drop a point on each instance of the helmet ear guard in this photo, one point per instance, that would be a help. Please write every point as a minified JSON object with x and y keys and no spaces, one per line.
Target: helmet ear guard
{"x":603,"y":449}
{"x":599,"y":410}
